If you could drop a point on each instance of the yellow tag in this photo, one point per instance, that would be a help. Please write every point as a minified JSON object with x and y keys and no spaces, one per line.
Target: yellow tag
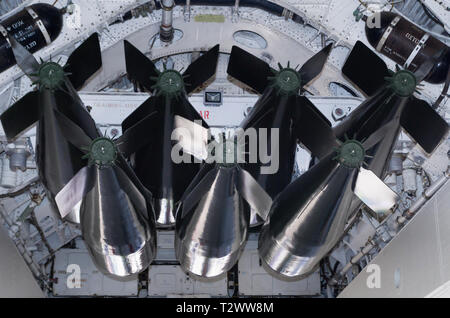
{"x":217,"y":18}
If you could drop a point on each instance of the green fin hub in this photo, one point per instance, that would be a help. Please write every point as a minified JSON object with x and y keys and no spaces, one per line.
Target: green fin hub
{"x":287,"y":81}
{"x":51,"y":75}
{"x":403,"y":83}
{"x":230,"y":152}
{"x":170,"y":83}
{"x":351,"y":154}
{"x":102,"y":152}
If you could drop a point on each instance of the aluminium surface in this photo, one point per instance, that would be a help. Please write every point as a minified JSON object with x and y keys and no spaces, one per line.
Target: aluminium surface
{"x":92,"y":281}
{"x":171,"y":281}
{"x":412,"y":272}
{"x":16,"y":279}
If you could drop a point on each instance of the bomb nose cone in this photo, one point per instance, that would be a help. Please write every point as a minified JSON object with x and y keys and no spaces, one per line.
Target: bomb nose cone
{"x":279,"y":260}
{"x":115,"y":224}
{"x":309,"y":216}
{"x":123,"y":265}
{"x":202,"y":261}
{"x":211,"y":235}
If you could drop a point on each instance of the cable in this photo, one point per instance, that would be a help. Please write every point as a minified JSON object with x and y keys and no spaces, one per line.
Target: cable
{"x":35,"y":223}
{"x":430,"y":14}
{"x":444,"y":91}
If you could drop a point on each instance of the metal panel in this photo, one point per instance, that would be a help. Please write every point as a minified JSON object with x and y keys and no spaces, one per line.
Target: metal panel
{"x":416,"y":262}
{"x":171,"y":281}
{"x":16,"y":279}
{"x":165,"y":250}
{"x":93,"y":282}
{"x":255,"y":281}
{"x":111,"y":108}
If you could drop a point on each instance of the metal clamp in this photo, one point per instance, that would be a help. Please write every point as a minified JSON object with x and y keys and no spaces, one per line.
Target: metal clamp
{"x":235,"y":11}
{"x":387,"y":33}
{"x":287,"y":14}
{"x":39,"y":24}
{"x":5,"y":34}
{"x":416,"y":50}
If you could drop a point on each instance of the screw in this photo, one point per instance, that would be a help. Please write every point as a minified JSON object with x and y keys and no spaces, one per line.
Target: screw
{"x":338,"y":113}
{"x":114,"y":132}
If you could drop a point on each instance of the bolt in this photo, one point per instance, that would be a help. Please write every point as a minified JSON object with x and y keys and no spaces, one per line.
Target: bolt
{"x":338,"y":113}
{"x":114,"y":132}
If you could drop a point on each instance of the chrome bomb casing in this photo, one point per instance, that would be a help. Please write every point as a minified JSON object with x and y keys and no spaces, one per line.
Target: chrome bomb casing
{"x":307,"y":219}
{"x":115,"y":224}
{"x":211,"y":235}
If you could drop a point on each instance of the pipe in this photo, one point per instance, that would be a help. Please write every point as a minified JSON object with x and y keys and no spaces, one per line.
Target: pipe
{"x":260,"y":4}
{"x":426,"y":195}
{"x":355,"y":259}
{"x":166,"y":28}
{"x":235,"y":11}
{"x":187,"y":11}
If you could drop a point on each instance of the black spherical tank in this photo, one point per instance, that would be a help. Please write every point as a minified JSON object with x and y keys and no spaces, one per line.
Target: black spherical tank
{"x":34,"y":27}
{"x":407,"y":44}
